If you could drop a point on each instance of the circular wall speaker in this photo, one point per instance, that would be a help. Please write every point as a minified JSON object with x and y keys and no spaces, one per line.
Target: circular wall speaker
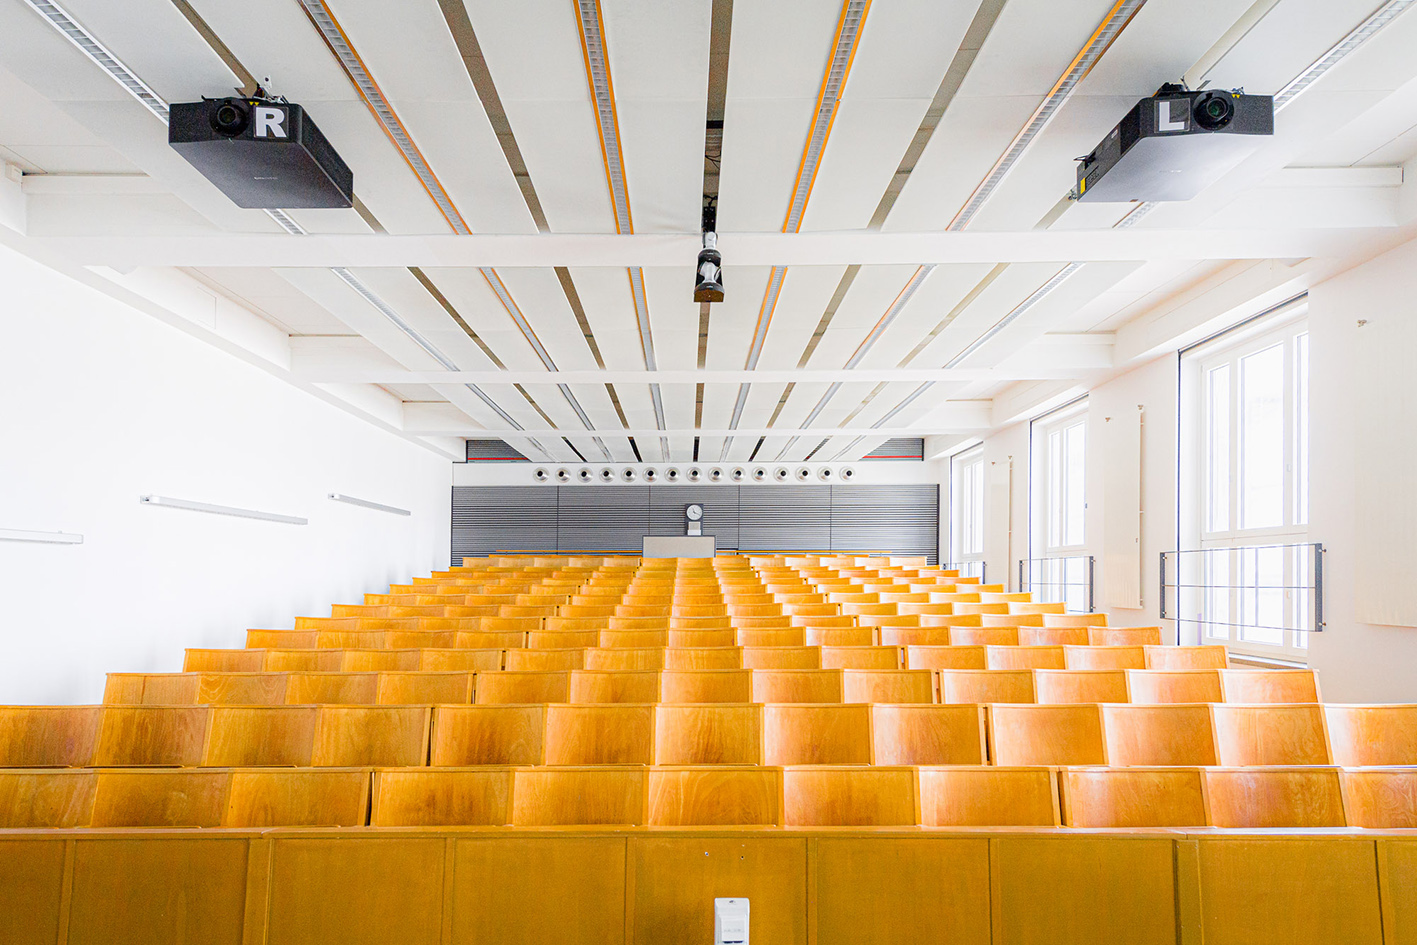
{"x":803,"y":474}
{"x":738,"y":474}
{"x":563,"y":475}
{"x":847,"y":474}
{"x":671,"y":474}
{"x":825,"y":474}
{"x":760,"y":474}
{"x":541,"y":475}
{"x":693,"y":474}
{"x":628,"y":474}
{"x":607,"y":475}
{"x":715,"y":475}
{"x":782,"y":474}
{"x":651,"y":474}
{"x":584,"y":474}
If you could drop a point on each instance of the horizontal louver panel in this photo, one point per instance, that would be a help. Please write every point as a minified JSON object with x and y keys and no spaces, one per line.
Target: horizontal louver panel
{"x":901,"y":448}
{"x":497,"y":451}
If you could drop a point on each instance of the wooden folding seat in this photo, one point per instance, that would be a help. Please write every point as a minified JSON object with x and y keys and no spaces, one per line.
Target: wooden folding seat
{"x":925,"y":608}
{"x":715,"y":797}
{"x":623,"y":659}
{"x":1103,"y":657}
{"x":424,"y":688}
{"x":47,"y":799}
{"x":984,"y":636}
{"x":548,"y":660}
{"x":879,"y":622}
{"x":599,"y":686}
{"x":327,"y":623}
{"x":1186,"y":657}
{"x":501,"y":624}
{"x":824,"y":621}
{"x":1133,"y":797}
{"x":850,"y":797}
{"x":1159,"y":735}
{"x":817,"y":734}
{"x":900,"y":686}
{"x":223,"y":661}
{"x":614,"y":639}
{"x":1024,"y":606}
{"x":968,"y":686}
{"x":781,"y":657}
{"x":1074,"y":620}
{"x":797,"y":685}
{"x":1046,"y":735}
{"x":523,"y":612}
{"x":1053,"y":636}
{"x":948,"y":595}
{"x":833,"y":636}
{"x":1249,"y":735}
{"x":915,"y":636}
{"x":488,"y":735}
{"x":326,"y":797}
{"x":600,"y":734}
{"x":153,"y":736}
{"x":898,"y":595}
{"x":637,"y":623}
{"x":579,"y":796}
{"x":1015,"y":621}
{"x":1071,"y":686}
{"x":1025,"y":657}
{"x":281,"y":639}
{"x":779,"y":622}
{"x":706,"y":686}
{"x":370,"y":661}
{"x":127,"y":688}
{"x":988,"y":797}
{"x":521,"y":688}
{"x":709,"y":735}
{"x":434,"y":625}
{"x":871,"y":610}
{"x":262,"y":735}
{"x":357,"y":639}
{"x":1384,"y":798}
{"x":742,"y":606}
{"x":945,"y":657}
{"x":657,"y":614}
{"x":699,"y":616}
{"x":331,"y":688}
{"x":1376,"y":735}
{"x":704,"y":657}
{"x":48,"y":736}
{"x":419,"y":639}
{"x":792,"y":636}
{"x":443,"y":798}
{"x":580,"y":612}
{"x":951,"y":620}
{"x":1269,"y":685}
{"x":928,"y":735}
{"x":380,"y":736}
{"x":481,"y":640}
{"x":703,"y":638}
{"x":1124,"y":636}
{"x":456,"y":660}
{"x":1275,"y":797}
{"x":241,"y":689}
{"x":161,"y":798}
{"x":1162,"y":686}
{"x":964,"y":608}
{"x":562,"y":639}
{"x":862,"y":657}
{"x":424,"y":610}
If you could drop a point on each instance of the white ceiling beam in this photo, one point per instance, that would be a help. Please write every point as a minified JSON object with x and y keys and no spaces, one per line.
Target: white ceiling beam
{"x":1335,"y":177}
{"x":1028,"y":369}
{"x":739,"y":249}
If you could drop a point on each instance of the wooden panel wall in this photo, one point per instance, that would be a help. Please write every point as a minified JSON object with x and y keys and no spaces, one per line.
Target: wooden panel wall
{"x":612,"y":887}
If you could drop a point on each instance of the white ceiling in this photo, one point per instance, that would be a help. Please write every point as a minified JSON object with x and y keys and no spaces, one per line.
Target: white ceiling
{"x":96,"y":165}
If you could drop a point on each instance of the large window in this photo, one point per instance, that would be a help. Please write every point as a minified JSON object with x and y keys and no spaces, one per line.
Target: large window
{"x":1058,"y":569}
{"x":1250,"y":469}
{"x":967,"y":511}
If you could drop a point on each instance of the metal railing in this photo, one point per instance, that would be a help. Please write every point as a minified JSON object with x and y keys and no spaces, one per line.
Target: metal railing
{"x":1259,"y":591}
{"x":974,"y":569}
{"x":1068,"y":579}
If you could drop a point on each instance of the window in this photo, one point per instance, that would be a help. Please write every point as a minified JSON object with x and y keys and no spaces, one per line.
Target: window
{"x":967,"y":510}
{"x":1059,"y":569}
{"x":1251,"y":470}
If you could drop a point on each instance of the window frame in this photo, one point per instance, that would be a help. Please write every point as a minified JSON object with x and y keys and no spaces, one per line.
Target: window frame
{"x":967,"y":483}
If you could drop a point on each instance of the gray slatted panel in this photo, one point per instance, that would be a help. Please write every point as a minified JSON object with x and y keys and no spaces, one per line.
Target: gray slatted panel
{"x":899,"y":449}
{"x":784,"y":518}
{"x":493,"y":450}
{"x":720,"y":511}
{"x":903,"y":519}
{"x":487,"y":519}
{"x":603,"y":518}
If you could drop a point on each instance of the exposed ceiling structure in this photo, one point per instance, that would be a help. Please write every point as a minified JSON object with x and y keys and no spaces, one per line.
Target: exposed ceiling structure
{"x":891,"y":181}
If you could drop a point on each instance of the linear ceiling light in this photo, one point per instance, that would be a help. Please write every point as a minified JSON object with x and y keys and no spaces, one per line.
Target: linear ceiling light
{"x":96,"y":51}
{"x":1365,"y":31}
{"x":366,"y":504}
{"x":848,"y":33}
{"x":1110,"y":28}
{"x":46,"y":538}
{"x":170,"y":503}
{"x":607,"y":120}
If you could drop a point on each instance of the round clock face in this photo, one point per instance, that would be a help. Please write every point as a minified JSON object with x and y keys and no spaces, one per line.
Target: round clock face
{"x":694,"y":512}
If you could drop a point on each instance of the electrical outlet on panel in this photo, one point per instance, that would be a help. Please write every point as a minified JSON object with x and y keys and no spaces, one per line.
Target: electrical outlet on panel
{"x":730,"y":922}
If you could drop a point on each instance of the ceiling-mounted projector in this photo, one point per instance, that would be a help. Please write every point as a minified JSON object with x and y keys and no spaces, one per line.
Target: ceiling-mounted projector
{"x":263,"y":153}
{"x":1175,"y":144}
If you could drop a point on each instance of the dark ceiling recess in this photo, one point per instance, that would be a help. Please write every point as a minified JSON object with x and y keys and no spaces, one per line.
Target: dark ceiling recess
{"x":720,"y":30}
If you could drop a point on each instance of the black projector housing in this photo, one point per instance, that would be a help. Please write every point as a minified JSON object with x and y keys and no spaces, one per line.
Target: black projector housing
{"x":1173,"y":145}
{"x":263,"y":154}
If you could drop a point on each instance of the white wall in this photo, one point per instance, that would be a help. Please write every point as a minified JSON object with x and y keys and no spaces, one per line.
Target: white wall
{"x":99,"y":404}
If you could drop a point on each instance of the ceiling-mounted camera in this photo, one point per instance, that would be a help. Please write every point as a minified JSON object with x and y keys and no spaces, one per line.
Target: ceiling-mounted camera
{"x":708,"y":272}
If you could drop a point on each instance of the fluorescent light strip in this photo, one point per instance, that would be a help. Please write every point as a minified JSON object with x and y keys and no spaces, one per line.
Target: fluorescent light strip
{"x":1033,"y":299}
{"x":286,"y":222}
{"x":366,"y":504}
{"x":99,"y":54}
{"x":853,"y":18}
{"x":1112,"y":25}
{"x":170,"y":503}
{"x":46,"y":538}
{"x":1365,"y":31}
